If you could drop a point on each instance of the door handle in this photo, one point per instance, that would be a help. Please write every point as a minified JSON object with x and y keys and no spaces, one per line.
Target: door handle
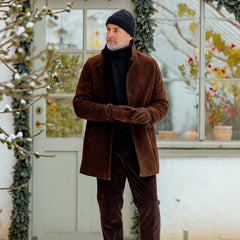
{"x":40,"y":124}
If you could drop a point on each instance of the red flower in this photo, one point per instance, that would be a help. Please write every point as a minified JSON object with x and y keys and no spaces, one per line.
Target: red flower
{"x":224,"y":107}
{"x":232,"y":46}
{"x":213,"y":90}
{"x":209,"y":65}
{"x":220,"y":50}
{"x":213,"y":49}
{"x":223,"y":71}
{"x":208,"y":94}
{"x":227,"y":77}
{"x":195,"y":57}
{"x":231,"y":111}
{"x":215,"y":69}
{"x":190,"y":60}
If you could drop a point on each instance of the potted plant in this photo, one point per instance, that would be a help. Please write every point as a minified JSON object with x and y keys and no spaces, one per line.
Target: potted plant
{"x":218,"y":112}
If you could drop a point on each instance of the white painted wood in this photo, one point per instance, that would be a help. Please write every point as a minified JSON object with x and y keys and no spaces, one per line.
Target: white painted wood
{"x":64,"y":205}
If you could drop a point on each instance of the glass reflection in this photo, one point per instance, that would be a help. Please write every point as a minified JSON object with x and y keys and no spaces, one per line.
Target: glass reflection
{"x":177,"y":36}
{"x":222,"y":73}
{"x":60,"y":114}
{"x":67,"y":31}
{"x":222,"y":108}
{"x":176,"y":40}
{"x":68,"y":67}
{"x":181,"y":120}
{"x":96,"y":29}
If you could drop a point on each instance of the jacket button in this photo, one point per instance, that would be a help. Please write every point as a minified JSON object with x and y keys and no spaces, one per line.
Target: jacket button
{"x":149,"y":124}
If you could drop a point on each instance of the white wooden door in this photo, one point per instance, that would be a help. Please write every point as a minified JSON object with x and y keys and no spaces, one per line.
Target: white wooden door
{"x":64,"y":205}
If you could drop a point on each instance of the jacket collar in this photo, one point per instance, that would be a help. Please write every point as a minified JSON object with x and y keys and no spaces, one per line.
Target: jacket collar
{"x":106,"y":55}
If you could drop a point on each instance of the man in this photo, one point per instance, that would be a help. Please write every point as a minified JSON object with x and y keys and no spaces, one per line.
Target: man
{"x":121,"y":94}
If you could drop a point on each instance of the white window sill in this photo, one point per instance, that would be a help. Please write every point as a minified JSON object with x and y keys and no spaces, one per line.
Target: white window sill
{"x":198,"y":148}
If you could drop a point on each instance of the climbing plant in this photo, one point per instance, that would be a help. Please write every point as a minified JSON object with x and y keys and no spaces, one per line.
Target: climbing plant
{"x":232,"y":6}
{"x":143,"y":39}
{"x":22,"y":170}
{"x":15,"y":54}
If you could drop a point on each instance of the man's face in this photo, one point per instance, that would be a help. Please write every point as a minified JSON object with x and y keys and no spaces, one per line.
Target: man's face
{"x":117,"y":37}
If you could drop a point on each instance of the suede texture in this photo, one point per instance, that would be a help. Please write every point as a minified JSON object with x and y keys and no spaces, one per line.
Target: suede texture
{"x":95,"y":101}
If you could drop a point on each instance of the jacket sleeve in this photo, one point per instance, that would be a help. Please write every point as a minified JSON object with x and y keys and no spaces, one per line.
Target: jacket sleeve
{"x":83,"y":102}
{"x":159,"y":105}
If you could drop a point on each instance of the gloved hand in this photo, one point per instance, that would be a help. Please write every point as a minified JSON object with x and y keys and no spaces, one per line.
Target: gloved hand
{"x":138,"y":115}
{"x":119,"y":113}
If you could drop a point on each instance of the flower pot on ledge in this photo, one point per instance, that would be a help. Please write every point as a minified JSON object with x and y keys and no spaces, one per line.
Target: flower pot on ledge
{"x":223,"y":133}
{"x":190,"y":136}
{"x":166,"y":135}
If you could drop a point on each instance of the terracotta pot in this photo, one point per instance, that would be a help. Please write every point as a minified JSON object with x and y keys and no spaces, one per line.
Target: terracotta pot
{"x":190,"y":136}
{"x":166,"y":135}
{"x":223,"y":133}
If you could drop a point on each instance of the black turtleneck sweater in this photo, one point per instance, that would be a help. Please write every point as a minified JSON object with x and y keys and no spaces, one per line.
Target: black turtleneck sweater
{"x":120,"y":64}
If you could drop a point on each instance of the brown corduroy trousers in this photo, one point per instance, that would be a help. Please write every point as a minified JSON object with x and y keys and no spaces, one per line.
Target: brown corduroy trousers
{"x":110,"y":196}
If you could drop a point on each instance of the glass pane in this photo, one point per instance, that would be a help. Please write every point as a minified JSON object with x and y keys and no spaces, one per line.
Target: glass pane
{"x":181,"y":121}
{"x":222,"y":44}
{"x":176,"y":38}
{"x":67,"y":31}
{"x":222,"y":109}
{"x":222,"y":70}
{"x":68,"y":67}
{"x":64,"y":122}
{"x":176,"y":41}
{"x":96,"y":28}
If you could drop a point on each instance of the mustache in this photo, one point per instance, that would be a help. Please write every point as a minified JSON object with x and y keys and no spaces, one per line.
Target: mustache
{"x":111,"y":39}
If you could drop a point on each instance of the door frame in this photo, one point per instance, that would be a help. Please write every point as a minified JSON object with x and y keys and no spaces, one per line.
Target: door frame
{"x":35,"y":185}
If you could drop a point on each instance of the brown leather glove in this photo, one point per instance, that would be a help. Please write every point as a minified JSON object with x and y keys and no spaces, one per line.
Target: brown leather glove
{"x":119,"y":113}
{"x":138,"y":115}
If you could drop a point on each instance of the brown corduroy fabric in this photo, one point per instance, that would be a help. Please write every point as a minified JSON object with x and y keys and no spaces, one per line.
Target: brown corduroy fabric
{"x":110,"y":196}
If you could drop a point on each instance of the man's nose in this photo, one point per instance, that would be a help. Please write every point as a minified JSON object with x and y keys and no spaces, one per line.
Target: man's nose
{"x":109,"y":34}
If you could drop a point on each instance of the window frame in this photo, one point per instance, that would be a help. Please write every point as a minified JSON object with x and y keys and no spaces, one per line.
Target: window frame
{"x":201,"y":147}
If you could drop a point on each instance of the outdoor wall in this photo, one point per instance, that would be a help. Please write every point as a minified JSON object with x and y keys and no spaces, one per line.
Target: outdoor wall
{"x":199,"y":198}
{"x":7,"y":161}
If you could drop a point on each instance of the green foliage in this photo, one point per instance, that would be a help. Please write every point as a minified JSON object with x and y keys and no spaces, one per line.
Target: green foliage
{"x":144,"y":25}
{"x":21,"y":17}
{"x":60,"y":114}
{"x":23,"y":169}
{"x":59,"y":111}
{"x":68,"y":67}
{"x":135,"y":228}
{"x":232,"y":6}
{"x":222,"y":61}
{"x":144,"y":43}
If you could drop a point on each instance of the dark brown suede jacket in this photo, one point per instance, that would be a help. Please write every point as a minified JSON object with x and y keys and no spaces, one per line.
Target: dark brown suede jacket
{"x":144,"y":88}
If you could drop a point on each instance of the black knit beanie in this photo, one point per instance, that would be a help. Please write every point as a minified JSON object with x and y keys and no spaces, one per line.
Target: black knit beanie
{"x":123,"y":19}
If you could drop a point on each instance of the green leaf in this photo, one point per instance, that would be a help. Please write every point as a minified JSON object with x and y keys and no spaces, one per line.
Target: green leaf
{"x":219,"y":7}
